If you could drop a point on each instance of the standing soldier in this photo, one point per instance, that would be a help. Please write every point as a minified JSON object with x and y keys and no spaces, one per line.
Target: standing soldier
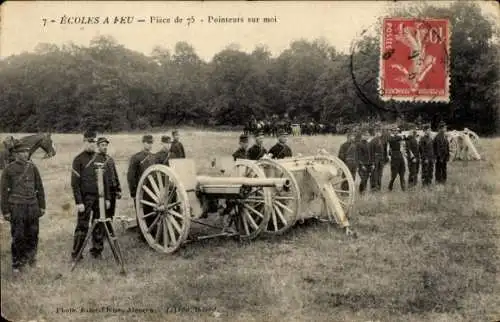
{"x":427,"y":156}
{"x":281,"y":150}
{"x":86,"y":194}
{"x":111,"y":177}
{"x":413,"y":158}
{"x":163,"y":155}
{"x":378,"y":147}
{"x":397,"y":160}
{"x":257,"y":151}
{"x":139,"y":163}
{"x":22,"y":203}
{"x":442,"y":150}
{"x":241,"y":153}
{"x":347,"y":153}
{"x":177,"y":149}
{"x":365,"y":160}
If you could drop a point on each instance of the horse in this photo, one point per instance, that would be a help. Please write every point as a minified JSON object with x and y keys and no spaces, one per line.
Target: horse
{"x":36,"y":141}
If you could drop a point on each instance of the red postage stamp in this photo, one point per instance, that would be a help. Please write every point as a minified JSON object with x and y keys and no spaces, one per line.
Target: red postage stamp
{"x":414,"y":60}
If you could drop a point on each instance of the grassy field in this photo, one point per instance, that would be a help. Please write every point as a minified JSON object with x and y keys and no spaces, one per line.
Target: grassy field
{"x":427,"y":255}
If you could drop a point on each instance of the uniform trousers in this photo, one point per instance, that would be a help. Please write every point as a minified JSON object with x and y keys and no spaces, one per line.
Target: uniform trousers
{"x":427,"y":171}
{"x":376,"y":177}
{"x":24,"y":231}
{"x":397,"y":169}
{"x":441,"y":170}
{"x":413,"y":168}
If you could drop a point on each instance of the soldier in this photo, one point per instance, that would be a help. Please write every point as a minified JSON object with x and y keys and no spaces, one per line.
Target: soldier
{"x":241,"y":153}
{"x":177,"y":149}
{"x":413,"y":158}
{"x":139,"y":163}
{"x":281,"y":150}
{"x":378,"y":148}
{"x":347,"y":153}
{"x":427,"y":156}
{"x":163,"y":155}
{"x":22,"y":203}
{"x":112,"y":176}
{"x":397,"y":160}
{"x":442,"y":150}
{"x":257,"y":151}
{"x":86,"y":195}
{"x":365,"y":160}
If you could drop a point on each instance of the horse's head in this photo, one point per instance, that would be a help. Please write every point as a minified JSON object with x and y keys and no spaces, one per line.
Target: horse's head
{"x":48,"y":146}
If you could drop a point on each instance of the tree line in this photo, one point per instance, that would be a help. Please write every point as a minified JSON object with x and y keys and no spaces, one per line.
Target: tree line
{"x":109,"y":87}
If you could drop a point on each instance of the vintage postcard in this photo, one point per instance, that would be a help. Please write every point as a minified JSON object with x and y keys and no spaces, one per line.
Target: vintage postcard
{"x":249,"y":161}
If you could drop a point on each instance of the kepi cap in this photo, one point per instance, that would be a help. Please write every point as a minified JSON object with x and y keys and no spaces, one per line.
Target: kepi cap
{"x":20,"y":147}
{"x":102,"y":140}
{"x":166,"y":139}
{"x":89,"y":135}
{"x":243,"y":138}
{"x":148,"y":138}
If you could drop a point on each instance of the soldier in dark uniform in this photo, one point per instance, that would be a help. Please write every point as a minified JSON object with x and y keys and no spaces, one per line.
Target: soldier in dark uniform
{"x":111,"y":177}
{"x":348,"y":154}
{"x":281,"y":150}
{"x":365,"y":160}
{"x":241,"y":153}
{"x":413,"y":158}
{"x":177,"y":149}
{"x":22,"y":203}
{"x":163,"y":155}
{"x":86,"y":194}
{"x":257,"y":151}
{"x":397,"y":160}
{"x":427,"y":156}
{"x":442,"y":150}
{"x":139,"y":163}
{"x":378,"y":148}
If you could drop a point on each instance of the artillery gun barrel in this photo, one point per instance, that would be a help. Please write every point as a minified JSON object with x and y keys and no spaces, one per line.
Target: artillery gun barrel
{"x":278,"y":183}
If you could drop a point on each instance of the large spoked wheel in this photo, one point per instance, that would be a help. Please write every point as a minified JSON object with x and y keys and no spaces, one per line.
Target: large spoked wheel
{"x":285,"y":203}
{"x":342,"y":182}
{"x":252,"y":213}
{"x":162,"y":209}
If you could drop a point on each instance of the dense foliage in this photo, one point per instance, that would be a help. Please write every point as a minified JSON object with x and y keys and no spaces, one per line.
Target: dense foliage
{"x":69,"y":87}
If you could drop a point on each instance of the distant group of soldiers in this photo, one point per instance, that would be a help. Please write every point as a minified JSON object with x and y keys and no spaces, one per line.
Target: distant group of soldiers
{"x":278,"y":151}
{"x":368,"y":157}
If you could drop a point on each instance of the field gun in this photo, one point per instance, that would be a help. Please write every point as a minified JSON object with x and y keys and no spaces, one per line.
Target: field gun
{"x":171,"y":198}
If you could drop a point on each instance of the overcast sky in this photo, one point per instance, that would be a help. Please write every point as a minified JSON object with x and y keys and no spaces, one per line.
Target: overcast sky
{"x":338,"y":22}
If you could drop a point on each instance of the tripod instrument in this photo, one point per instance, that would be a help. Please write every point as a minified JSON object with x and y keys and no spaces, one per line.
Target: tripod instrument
{"x":107,"y":224}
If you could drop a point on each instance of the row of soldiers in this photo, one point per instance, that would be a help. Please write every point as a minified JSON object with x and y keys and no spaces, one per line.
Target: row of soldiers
{"x":279,"y":151}
{"x":368,"y":157}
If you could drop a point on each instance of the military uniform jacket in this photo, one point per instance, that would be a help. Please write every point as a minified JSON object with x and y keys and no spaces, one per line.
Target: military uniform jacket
{"x":426,"y":149}
{"x":441,"y":147}
{"x":110,"y":172}
{"x":256,"y":152}
{"x":364,"y":153}
{"x":241,"y":153}
{"x":378,"y":149}
{"x":21,"y":184}
{"x":177,"y":150}
{"x":138,"y":164}
{"x":395,"y":146}
{"x":162,"y":157}
{"x":280,"y":151}
{"x":84,"y":176}
{"x":348,"y":153}
{"x":412,"y":149}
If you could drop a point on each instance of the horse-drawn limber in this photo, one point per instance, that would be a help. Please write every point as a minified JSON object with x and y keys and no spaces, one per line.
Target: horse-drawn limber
{"x":247,"y":197}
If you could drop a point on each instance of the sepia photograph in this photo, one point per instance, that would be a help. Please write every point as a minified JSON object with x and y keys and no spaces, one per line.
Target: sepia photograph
{"x":250,"y":161}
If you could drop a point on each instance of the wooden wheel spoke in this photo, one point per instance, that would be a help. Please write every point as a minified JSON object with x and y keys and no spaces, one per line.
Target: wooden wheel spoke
{"x":165,"y":236}
{"x":250,"y":219}
{"x":275,"y":221}
{"x":171,"y":194}
{"x":149,"y":214}
{"x":171,"y":232}
{"x":157,"y":235}
{"x":280,"y":214}
{"x":154,"y":185}
{"x":148,"y":203}
{"x":283,"y":198}
{"x":283,"y":206}
{"x":342,"y":191}
{"x":155,"y":222}
{"x":161,"y":186}
{"x":175,"y":213}
{"x":173,"y":205}
{"x":253,"y":210}
{"x":338,"y":181}
{"x":151,"y":194}
{"x":245,"y":224}
{"x":174,"y":223}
